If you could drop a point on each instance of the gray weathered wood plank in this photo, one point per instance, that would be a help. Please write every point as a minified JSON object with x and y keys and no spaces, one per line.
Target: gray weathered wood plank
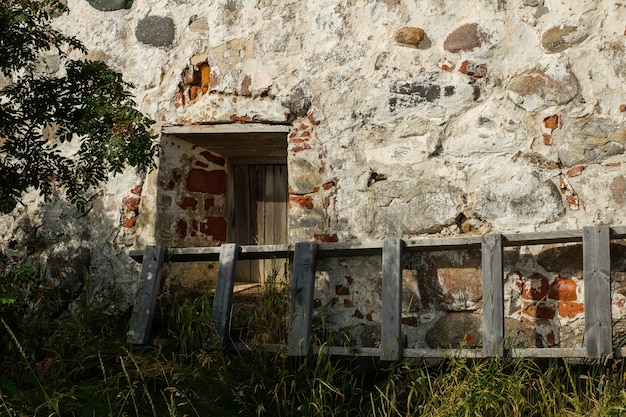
{"x":493,"y":295}
{"x":391,"y":317}
{"x":597,"y":278}
{"x":442,"y":243}
{"x":304,"y":260}
{"x":145,"y":300}
{"x":548,"y":352}
{"x":226,"y":128}
{"x":223,"y":299}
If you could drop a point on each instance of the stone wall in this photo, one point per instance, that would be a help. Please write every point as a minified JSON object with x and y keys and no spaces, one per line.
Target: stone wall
{"x":407,"y":118}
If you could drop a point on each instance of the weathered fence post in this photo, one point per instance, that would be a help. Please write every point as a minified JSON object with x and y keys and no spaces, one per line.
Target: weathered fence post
{"x":223,"y":300}
{"x":391,"y":317}
{"x":597,"y":277}
{"x":145,"y":300}
{"x":304,"y":258}
{"x":493,"y":295}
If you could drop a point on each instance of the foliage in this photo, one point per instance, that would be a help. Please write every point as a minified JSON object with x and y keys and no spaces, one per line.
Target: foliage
{"x":20,"y":288}
{"x":41,"y":113}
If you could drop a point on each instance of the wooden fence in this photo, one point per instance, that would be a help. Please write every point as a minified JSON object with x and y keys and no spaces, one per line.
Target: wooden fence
{"x":596,"y":274}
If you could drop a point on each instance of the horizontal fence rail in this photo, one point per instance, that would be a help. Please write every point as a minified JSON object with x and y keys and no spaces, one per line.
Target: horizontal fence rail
{"x":596,"y":275}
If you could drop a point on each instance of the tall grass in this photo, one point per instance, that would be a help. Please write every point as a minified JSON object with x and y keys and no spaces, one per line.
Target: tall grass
{"x":79,"y":365}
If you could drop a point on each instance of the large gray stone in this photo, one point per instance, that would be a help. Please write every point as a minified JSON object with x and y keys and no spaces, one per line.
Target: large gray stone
{"x":590,"y":140}
{"x":411,"y":93}
{"x":156,"y":31}
{"x":553,"y":85}
{"x":304,"y":178}
{"x":404,"y":208}
{"x":518,"y":201}
{"x":110,"y":5}
{"x":456,"y":330}
{"x":560,"y":38}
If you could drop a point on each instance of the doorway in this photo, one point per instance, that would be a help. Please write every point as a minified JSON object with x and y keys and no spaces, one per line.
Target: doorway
{"x":259,"y":215}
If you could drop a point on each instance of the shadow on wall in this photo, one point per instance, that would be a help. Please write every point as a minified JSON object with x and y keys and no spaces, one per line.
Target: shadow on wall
{"x":80,"y":254}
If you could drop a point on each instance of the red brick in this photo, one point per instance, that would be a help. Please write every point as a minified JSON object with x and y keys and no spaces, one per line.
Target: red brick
{"x":576,"y":171}
{"x":328,"y":185}
{"x":538,"y":310}
{"x":202,"y":164}
{"x":535,"y":287}
{"x":136,"y":190}
{"x":552,"y":122}
{"x":326,"y":202}
{"x":302,"y":200}
{"x":237,"y":118}
{"x":547,"y":139}
{"x":410,"y":321}
{"x":622,"y":108}
{"x":300,"y":148}
{"x":325,"y":238}
{"x":181,"y":228}
{"x":215,"y":227}
{"x":342,"y":290}
{"x":218,"y":160}
{"x":299,"y":140}
{"x":194,"y":92}
{"x":211,"y":182}
{"x":312,"y":119}
{"x":245,"y":86}
{"x":473,"y":70}
{"x":347,"y":303}
{"x":563,"y":289}
{"x":570,"y":309}
{"x":130,"y":222}
{"x":189,"y":202}
{"x":446,"y":65}
{"x":358,"y":314}
{"x":349,"y":279}
{"x":132,"y":203}
{"x":205,"y":76}
{"x":209,"y":202}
